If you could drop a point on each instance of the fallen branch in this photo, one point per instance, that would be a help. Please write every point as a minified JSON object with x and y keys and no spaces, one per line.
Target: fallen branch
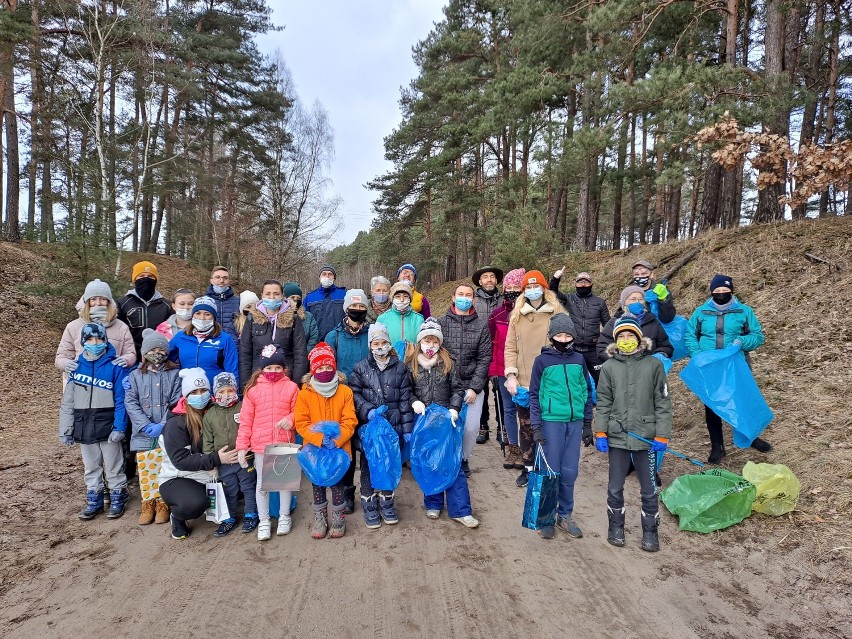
{"x":11,"y":466}
{"x":819,"y":260}
{"x":686,"y":259}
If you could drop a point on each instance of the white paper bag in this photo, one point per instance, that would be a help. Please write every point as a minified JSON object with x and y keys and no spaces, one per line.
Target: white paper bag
{"x":217,"y":507}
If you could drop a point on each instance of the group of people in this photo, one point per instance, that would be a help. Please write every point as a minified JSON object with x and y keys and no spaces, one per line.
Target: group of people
{"x":192,"y":391}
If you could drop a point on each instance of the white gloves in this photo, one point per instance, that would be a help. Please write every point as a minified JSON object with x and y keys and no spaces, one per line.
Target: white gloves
{"x":70,"y":367}
{"x":418,"y":407}
{"x":285,"y":424}
{"x":120,"y":361}
{"x":454,"y":415}
{"x":558,"y":274}
{"x":469,"y":396}
{"x":512,"y":385}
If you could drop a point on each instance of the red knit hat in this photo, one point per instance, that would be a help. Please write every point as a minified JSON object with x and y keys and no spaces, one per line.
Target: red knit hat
{"x":321,"y":355}
{"x":534,"y":277}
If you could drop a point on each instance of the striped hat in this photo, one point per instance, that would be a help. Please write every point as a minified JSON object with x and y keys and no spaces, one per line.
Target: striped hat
{"x":627,"y":323}
{"x":205,"y":303}
{"x":430,"y":327}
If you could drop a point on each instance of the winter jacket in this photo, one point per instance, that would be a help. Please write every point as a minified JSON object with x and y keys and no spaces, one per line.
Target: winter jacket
{"x":139,"y":314}
{"x":169,"y":328}
{"x":311,"y":408}
{"x":401,"y":326}
{"x":434,"y":385}
{"x":651,"y":328}
{"x":326,"y":305}
{"x":373,"y":314}
{"x":391,"y":387}
{"x":310,"y":327}
{"x":147,"y":398}
{"x":525,"y":339}
{"x":182,"y":457}
{"x":227,"y":309}
{"x":485,"y":304}
{"x":349,"y":349}
{"x":288,"y":333}
{"x":214,"y":354}
{"x":710,"y":328}
{"x":633,"y":396}
{"x":420,"y":304}
{"x":560,"y":390}
{"x":93,"y":402}
{"x":264,"y":405}
{"x":220,"y":427}
{"x":587,"y":313}
{"x":498,"y":328}
{"x":469,"y":343}
{"x":118,"y":335}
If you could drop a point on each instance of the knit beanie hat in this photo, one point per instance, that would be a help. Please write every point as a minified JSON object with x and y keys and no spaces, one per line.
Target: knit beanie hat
{"x":223,"y":380}
{"x":561,"y":323}
{"x":354,"y":296}
{"x":514,"y":278}
{"x":152,"y":339}
{"x":410,"y":267}
{"x":248,"y":298}
{"x":205,"y":303}
{"x":627,"y":323}
{"x":291,"y":288}
{"x":717,"y":281}
{"x":328,"y":267}
{"x":377,"y":331}
{"x":143,"y":267}
{"x":97,"y":288}
{"x":533,"y":277}
{"x":93,"y":329}
{"x":430,"y":327}
{"x":193,"y":379}
{"x":321,"y":355}
{"x":627,"y":292}
{"x":401,"y":287}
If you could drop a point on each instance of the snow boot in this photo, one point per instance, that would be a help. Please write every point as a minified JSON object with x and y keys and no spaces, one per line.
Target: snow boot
{"x":370,"y":507}
{"x":615,"y":532}
{"x":387,"y":509}
{"x":523,"y":478}
{"x":319,"y":529}
{"x":147,"y":513}
{"x":483,"y":436}
{"x":761,"y":445}
{"x":94,"y":505}
{"x":117,"y":500}
{"x":337,"y":526}
{"x":161,"y":513}
{"x":513,"y":455}
{"x":349,"y":497}
{"x":650,"y":538}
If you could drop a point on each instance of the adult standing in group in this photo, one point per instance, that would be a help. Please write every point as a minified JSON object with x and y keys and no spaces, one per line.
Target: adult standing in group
{"x":467,"y":339}
{"x":248,"y":300}
{"x":529,"y":324}
{"x":293,"y":293}
{"x":143,"y":306}
{"x":227,"y":301}
{"x":326,"y":302}
{"x":657,"y":295}
{"x":273,"y":321}
{"x":486,"y":298}
{"x":203,"y":344}
{"x":407,"y":273}
{"x":182,"y":302}
{"x":588,"y":312}
{"x":402,"y":321}
{"x":632,"y":302}
{"x":380,"y":300}
{"x":721,"y":321}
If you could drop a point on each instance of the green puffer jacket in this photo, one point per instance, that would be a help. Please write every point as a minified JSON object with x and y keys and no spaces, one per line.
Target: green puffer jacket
{"x":633,"y":396}
{"x":220,"y":427}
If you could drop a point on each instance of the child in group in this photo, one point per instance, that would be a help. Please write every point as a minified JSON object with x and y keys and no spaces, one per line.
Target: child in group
{"x":325,"y":397}
{"x":92,"y":414}
{"x":381,"y":380}
{"x":266,"y":418}
{"x":219,"y":428}
{"x":632,"y":398}
{"x":561,"y":414}
{"x":434,"y":379}
{"x":149,"y":392}
{"x":182,"y":302}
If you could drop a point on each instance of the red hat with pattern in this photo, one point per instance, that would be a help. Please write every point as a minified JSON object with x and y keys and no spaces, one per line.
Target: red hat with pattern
{"x":321,"y":355}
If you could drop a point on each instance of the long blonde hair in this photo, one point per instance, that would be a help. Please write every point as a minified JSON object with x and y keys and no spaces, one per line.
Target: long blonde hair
{"x":549,"y":298}
{"x":112,"y":313}
{"x":411,"y":352}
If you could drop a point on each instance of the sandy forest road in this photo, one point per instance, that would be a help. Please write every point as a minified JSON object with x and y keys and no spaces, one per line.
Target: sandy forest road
{"x":66,"y":578}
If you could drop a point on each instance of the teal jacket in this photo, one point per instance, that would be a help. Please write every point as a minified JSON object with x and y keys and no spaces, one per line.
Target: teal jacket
{"x":309,"y":323}
{"x":401,"y":326}
{"x":710,"y":329}
{"x":560,"y":388}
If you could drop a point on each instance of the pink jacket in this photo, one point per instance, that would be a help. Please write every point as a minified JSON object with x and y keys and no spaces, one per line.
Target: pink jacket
{"x":117,"y":333}
{"x":264,"y":405}
{"x":498,"y":326}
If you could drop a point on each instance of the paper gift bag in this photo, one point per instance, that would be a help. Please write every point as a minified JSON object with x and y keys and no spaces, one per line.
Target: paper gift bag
{"x":217,"y":507}
{"x":281,"y":469}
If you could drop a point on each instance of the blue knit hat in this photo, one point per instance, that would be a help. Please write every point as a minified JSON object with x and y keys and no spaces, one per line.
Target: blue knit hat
{"x":410,"y":267}
{"x":721,"y":280}
{"x":93,"y":329}
{"x":627,"y":323}
{"x":205,"y":303}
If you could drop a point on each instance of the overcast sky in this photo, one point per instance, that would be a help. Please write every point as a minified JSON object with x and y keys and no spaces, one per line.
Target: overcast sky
{"x":353,"y":57}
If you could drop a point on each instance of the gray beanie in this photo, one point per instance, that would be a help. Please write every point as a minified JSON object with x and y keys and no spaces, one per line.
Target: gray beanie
{"x":97,"y":288}
{"x":430,"y":327}
{"x":354,"y":296}
{"x":377,"y":331}
{"x":151,"y":339}
{"x":561,"y":323}
{"x":627,"y":292}
{"x":222,"y":380}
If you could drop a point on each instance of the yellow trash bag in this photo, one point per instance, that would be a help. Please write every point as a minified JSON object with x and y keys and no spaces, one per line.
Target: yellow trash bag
{"x":777,"y":488}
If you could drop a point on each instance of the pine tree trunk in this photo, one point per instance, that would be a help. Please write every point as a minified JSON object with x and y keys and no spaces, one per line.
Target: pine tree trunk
{"x":12,"y":230}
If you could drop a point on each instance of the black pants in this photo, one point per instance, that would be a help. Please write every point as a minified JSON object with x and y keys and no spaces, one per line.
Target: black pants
{"x":186,"y":498}
{"x":592,"y":360}
{"x":619,"y":463}
{"x":483,"y":418}
{"x":714,"y":427}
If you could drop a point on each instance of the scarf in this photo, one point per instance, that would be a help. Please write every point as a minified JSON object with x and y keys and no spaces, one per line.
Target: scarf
{"x":723,"y":307}
{"x":348,"y":328}
{"x":382,"y":363}
{"x":326,"y":390}
{"x":378,"y":309}
{"x":427,"y":362}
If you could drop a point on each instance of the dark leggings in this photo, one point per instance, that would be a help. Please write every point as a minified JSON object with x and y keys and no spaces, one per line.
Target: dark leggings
{"x":714,"y":426}
{"x":186,"y":498}
{"x":338,"y":497}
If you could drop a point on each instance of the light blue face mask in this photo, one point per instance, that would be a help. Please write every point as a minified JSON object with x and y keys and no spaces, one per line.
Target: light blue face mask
{"x":198,"y":401}
{"x":463,"y":303}
{"x":636,"y":308}
{"x":220,"y":289}
{"x":534,"y":294}
{"x":380,"y":298}
{"x":272,"y":305}
{"x":95,"y":349}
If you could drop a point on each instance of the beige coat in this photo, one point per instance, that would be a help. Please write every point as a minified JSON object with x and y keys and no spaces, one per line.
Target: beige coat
{"x":70,"y":347}
{"x":525,"y":339}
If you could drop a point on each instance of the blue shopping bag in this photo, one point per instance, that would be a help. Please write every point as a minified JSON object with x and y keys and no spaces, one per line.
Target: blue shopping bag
{"x":436,"y":449}
{"x":324,"y":466}
{"x":667,"y":363}
{"x":522,"y":397}
{"x":676,"y":330}
{"x":542,"y":491}
{"x":380,"y":444}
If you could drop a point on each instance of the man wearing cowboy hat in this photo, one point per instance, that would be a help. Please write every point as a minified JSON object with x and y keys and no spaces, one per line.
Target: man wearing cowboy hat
{"x":486,"y":298}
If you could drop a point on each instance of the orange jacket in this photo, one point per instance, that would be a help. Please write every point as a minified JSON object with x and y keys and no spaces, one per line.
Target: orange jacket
{"x":311,"y":407}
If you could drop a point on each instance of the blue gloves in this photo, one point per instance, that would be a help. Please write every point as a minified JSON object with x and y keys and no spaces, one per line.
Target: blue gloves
{"x":660,"y":445}
{"x":651,"y":296}
{"x":125,"y":384}
{"x":115,"y":437}
{"x":406,"y":437}
{"x":153,"y":429}
{"x":602,"y":444}
{"x":371,"y":414}
{"x":328,"y":442}
{"x":66,"y":440}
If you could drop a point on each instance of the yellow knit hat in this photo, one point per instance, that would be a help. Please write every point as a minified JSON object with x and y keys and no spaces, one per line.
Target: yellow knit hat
{"x":140,"y":268}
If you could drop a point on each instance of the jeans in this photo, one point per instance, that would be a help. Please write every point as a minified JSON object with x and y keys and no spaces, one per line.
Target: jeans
{"x":235,"y":479}
{"x":510,"y":412}
{"x":562,"y":452}
{"x":471,"y":425}
{"x":645,"y":463}
{"x":457,"y":497}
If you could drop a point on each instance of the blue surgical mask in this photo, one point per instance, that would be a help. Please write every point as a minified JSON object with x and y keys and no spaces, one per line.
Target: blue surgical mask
{"x":463,"y":303}
{"x":199,"y":401}
{"x":220,"y":289}
{"x":380,"y":298}
{"x":95,"y":349}
{"x":636,"y":308}
{"x":534,"y":294}
{"x":272,"y":305}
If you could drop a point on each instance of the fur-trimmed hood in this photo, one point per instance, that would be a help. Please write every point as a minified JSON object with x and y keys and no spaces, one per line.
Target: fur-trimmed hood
{"x":646,"y":345}
{"x":284,"y":319}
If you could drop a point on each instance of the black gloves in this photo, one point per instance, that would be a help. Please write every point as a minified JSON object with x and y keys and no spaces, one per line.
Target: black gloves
{"x":588,"y":439}
{"x":537,"y":438}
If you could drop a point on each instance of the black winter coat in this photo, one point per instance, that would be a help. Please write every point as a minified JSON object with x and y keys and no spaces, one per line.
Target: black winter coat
{"x":391,"y":387}
{"x":651,"y":328}
{"x":485,"y":303}
{"x":468,"y":340}
{"x":139,"y":314}
{"x":289,"y":334}
{"x":587,"y":313}
{"x":433,"y":385}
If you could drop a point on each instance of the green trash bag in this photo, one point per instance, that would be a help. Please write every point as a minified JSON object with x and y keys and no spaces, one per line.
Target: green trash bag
{"x":709,"y":500}
{"x":777,"y":488}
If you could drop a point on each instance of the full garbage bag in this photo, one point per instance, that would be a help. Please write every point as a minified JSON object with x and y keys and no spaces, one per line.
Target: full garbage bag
{"x":709,"y":500}
{"x":777,"y":488}
{"x":436,"y":449}
{"x":380,"y":443}
{"x":324,"y":466}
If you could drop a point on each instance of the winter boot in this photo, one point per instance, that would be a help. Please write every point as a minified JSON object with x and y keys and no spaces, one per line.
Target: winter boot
{"x":650,"y":538}
{"x":370,"y":506}
{"x":94,"y":504}
{"x":615,"y":532}
{"x":465,"y":466}
{"x":387,"y":509}
{"x":162,"y":512}
{"x":147,"y":513}
{"x":337,"y":527}
{"x":761,"y":445}
{"x":319,"y":529}
{"x":513,"y":455}
{"x":349,"y":496}
{"x":117,"y":499}
{"x":483,"y":436}
{"x":523,"y":478}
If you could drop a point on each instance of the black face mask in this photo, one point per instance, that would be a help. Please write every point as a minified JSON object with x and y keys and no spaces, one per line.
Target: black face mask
{"x":722,"y":298}
{"x":145,"y":287}
{"x":584,"y":291}
{"x":511,"y":296}
{"x":298,"y":304}
{"x":562,"y":347}
{"x":356,"y":315}
{"x":641,"y":282}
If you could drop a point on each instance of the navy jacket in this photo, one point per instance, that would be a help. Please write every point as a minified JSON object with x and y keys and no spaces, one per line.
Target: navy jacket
{"x":391,"y":387}
{"x":227,"y":309}
{"x":326,"y":305}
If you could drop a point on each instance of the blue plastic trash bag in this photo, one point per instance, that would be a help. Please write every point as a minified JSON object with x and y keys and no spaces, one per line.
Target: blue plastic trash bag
{"x":399,"y":346}
{"x":594,"y":389}
{"x":275,"y":504}
{"x":324,"y":466}
{"x":667,"y":363}
{"x":723,"y":381}
{"x":522,"y":397}
{"x":380,"y":444}
{"x":436,"y":450}
{"x":542,"y":491}
{"x":676,"y":330}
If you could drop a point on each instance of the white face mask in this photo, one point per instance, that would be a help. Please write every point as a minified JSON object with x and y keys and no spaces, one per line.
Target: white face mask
{"x":203,"y":326}
{"x":184,"y":313}
{"x":401,"y":306}
{"x":326,"y":282}
{"x":429,"y":350}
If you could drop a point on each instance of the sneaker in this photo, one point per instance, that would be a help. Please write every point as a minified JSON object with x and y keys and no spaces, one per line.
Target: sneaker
{"x":761,"y":445}
{"x":264,"y":530}
{"x":285,"y":525}
{"x":466,"y":468}
{"x":482,"y":437}
{"x":523,"y":478}
{"x":547,"y":532}
{"x":433,"y":514}
{"x":225,"y":527}
{"x":179,"y":528}
{"x":566,"y":524}
{"x":468,"y":521}
{"x":370,"y":506}
{"x":250,"y":523}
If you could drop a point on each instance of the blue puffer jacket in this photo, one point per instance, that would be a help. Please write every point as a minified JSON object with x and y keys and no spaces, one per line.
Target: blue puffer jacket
{"x":326,"y":305}
{"x":214,"y":354}
{"x":349,"y":349}
{"x":391,"y":387}
{"x":710,"y":329}
{"x":227,"y":308}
